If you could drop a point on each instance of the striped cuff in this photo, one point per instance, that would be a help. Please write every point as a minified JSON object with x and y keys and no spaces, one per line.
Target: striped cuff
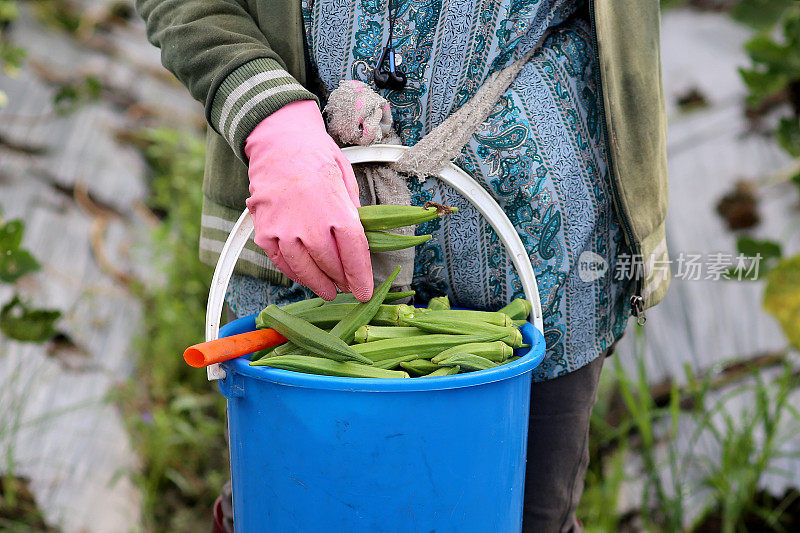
{"x":250,"y":94}
{"x":216,"y":223}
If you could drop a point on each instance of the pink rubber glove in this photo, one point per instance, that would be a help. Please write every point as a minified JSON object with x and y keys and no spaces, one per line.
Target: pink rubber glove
{"x":303,"y":198}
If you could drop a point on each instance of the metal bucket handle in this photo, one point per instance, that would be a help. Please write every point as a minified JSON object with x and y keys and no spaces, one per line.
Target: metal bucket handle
{"x":450,"y":174}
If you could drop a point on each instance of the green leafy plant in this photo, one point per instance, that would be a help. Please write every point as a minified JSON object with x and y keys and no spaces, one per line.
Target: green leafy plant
{"x":18,"y":510}
{"x":19,"y":320}
{"x":176,"y":417}
{"x":747,"y":414}
{"x":761,"y":15}
{"x":750,"y":439}
{"x":775,"y":70}
{"x":64,"y":15}
{"x":663,"y":507}
{"x":608,"y":454}
{"x":11,"y":56}
{"x":70,"y":96}
{"x":22,"y":322}
{"x":774,"y":78}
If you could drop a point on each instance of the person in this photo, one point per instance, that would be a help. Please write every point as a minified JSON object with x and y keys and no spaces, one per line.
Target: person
{"x":574,"y":152}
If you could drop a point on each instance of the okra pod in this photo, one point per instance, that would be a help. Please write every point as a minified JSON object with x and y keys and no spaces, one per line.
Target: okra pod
{"x":466,"y":315}
{"x":355,"y":314}
{"x":326,"y":367}
{"x":348,"y":298}
{"x":302,"y":305}
{"x":383,"y":241}
{"x":424,"y":346}
{"x":395,"y":361}
{"x":444,"y":371}
{"x":440,"y":303}
{"x":381,"y":217}
{"x":362,"y":313}
{"x":509,"y":334}
{"x":329,"y":315}
{"x":370,"y":333}
{"x":309,"y":336}
{"x":260,"y":354}
{"x":467,"y":361}
{"x":496,"y":351}
{"x":518,"y":309}
{"x":395,"y":296}
{"x":419,"y":367}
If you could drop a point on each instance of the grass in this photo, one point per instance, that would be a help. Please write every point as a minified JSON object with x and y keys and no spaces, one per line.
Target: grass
{"x":176,"y":417}
{"x":702,"y":453}
{"x":18,"y":510}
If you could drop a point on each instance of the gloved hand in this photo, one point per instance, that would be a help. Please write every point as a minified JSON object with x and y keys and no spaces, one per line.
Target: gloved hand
{"x":303,"y":198}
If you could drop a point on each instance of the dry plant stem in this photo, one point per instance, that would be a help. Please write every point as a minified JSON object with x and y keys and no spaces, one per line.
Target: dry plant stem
{"x":441,"y":209}
{"x":782,"y":175}
{"x":100,"y":220}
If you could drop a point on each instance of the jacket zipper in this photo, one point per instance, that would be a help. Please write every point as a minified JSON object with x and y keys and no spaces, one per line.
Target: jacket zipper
{"x":636,"y":300}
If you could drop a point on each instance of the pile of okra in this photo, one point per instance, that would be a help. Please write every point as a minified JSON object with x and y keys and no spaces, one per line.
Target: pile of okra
{"x":375,"y":339}
{"x":378,"y":340}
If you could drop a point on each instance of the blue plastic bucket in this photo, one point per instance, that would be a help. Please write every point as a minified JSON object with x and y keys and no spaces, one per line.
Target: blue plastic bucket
{"x":325,"y":454}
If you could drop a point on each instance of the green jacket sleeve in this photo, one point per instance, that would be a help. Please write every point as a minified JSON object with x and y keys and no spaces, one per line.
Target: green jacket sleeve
{"x":216,"y":49}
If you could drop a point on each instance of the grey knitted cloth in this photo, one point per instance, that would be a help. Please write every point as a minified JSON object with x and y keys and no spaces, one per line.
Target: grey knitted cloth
{"x":358,"y":115}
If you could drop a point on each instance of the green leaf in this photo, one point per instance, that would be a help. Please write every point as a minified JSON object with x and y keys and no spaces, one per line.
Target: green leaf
{"x":11,"y":235}
{"x":751,"y":247}
{"x":8,"y":11}
{"x":761,"y":14}
{"x":761,"y":85}
{"x":21,"y":322}
{"x":16,"y":263}
{"x":788,"y":135}
{"x":782,"y":297}
{"x":762,"y":49}
{"x":766,"y":252}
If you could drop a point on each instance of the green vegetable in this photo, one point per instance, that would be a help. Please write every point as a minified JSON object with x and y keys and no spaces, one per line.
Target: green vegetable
{"x":364,"y":312}
{"x":440,"y":303}
{"x":383,"y":241}
{"x":309,"y":337}
{"x":302,"y":305}
{"x":510,"y":334}
{"x":444,"y":371}
{"x":260,"y":354}
{"x":395,"y":361}
{"x":518,"y":309}
{"x":424,"y":346}
{"x":380,"y":217}
{"x":345,"y":328}
{"x":420,"y":367}
{"x":468,"y":361}
{"x":464,"y":315}
{"x":348,"y":298}
{"x":496,"y":351}
{"x":378,"y":333}
{"x":329,"y":315}
{"x":327,"y":367}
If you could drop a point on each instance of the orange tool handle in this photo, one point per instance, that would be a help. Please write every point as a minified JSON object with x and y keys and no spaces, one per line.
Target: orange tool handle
{"x":208,"y":353}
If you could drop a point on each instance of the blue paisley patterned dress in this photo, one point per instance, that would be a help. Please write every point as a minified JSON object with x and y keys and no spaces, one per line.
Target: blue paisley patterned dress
{"x":541,"y":154}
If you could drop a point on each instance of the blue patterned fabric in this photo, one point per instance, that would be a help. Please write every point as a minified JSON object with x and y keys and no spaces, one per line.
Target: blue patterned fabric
{"x":541,"y":154}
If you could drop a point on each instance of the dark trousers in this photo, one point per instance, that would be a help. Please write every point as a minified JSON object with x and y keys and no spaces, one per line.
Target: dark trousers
{"x":558,"y":449}
{"x":558,"y":452}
